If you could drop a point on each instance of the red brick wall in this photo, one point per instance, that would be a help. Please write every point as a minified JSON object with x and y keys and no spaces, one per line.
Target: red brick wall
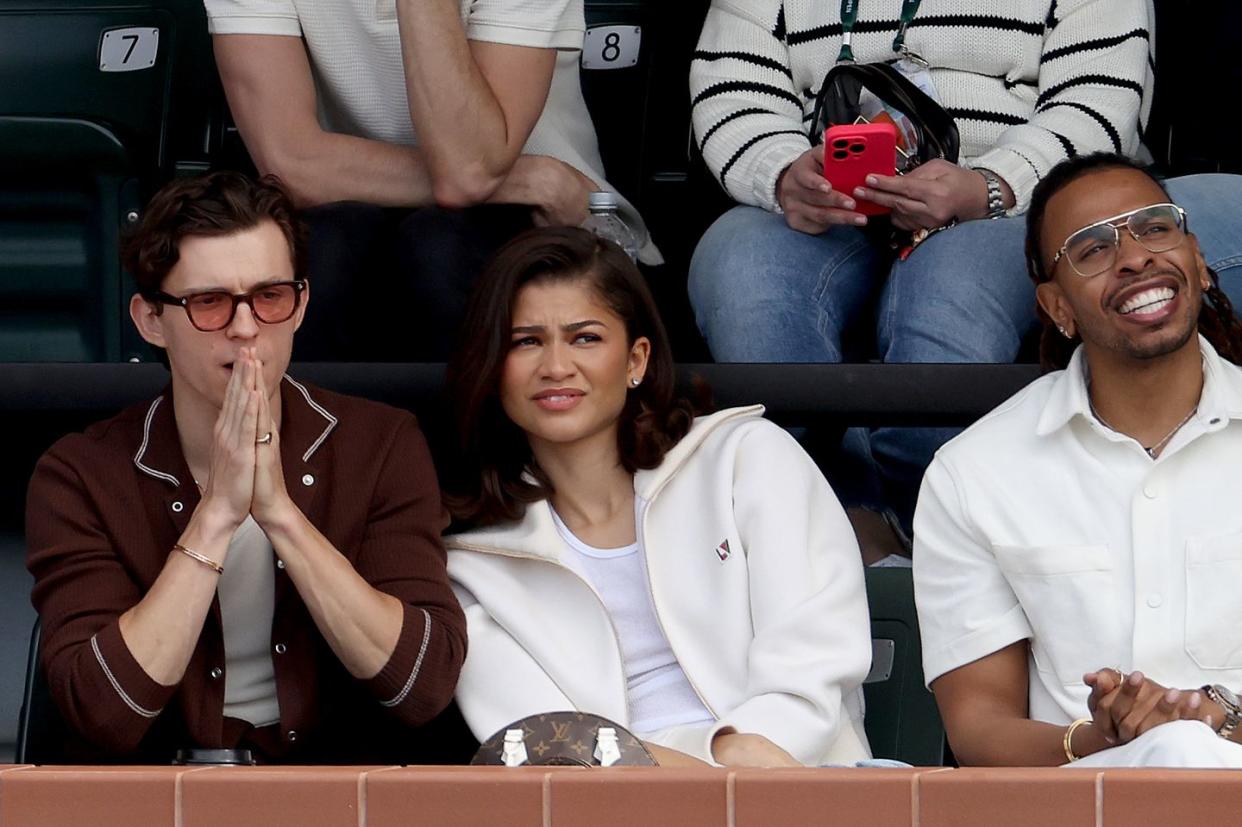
{"x":567,"y":797}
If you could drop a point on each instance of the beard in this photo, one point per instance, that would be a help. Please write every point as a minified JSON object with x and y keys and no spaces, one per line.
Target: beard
{"x":1169,"y":337}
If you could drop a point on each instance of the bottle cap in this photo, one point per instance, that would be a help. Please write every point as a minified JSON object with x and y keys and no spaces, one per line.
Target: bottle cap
{"x":603,"y":200}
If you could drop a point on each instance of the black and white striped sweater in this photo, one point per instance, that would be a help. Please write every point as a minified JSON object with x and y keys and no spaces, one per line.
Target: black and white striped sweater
{"x":1030,"y":82}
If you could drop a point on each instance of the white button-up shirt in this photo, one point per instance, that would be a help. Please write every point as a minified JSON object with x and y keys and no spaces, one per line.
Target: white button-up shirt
{"x":1041,"y":523}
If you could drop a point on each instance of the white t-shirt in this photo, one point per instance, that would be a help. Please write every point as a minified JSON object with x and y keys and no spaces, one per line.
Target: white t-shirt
{"x":355,"y":54}
{"x":659,"y":694}
{"x":1041,"y":523}
{"x":247,"y":592}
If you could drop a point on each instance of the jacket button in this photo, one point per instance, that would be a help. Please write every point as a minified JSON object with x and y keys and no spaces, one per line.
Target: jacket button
{"x":178,"y":507}
{"x":308,"y":479}
{"x":291,"y":735}
{"x":281,"y":648}
{"x":216,"y":672}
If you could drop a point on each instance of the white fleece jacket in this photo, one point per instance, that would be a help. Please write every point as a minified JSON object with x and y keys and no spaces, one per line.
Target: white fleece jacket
{"x":773,"y":633}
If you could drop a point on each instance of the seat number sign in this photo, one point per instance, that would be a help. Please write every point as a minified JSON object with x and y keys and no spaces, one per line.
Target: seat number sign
{"x":611,"y":47}
{"x":128,"y":50}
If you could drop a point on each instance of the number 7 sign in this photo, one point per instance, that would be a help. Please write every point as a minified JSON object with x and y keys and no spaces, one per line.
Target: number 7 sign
{"x":129,"y":49}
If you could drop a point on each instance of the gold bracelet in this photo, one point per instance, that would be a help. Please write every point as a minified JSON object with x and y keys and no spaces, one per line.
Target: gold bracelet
{"x":1068,"y":743}
{"x":202,"y":558}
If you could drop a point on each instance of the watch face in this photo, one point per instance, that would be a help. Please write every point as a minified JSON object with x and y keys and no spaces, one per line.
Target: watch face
{"x":1227,"y":695}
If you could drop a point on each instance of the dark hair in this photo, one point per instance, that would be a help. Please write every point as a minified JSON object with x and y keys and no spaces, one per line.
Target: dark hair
{"x":1217,"y":321}
{"x":486,"y":483}
{"x":215,"y":204}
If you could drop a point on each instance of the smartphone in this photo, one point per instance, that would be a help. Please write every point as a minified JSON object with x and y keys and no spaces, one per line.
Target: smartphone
{"x":854,"y":151}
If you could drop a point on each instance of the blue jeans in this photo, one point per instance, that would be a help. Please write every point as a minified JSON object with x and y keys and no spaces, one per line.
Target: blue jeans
{"x":763,"y":292}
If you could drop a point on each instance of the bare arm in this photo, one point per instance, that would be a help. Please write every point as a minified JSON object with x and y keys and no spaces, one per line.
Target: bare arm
{"x":984,"y":707}
{"x":267,"y":79}
{"x":473,"y":104}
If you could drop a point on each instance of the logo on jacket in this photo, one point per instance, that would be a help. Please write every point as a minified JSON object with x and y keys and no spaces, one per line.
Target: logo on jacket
{"x":722,"y":551}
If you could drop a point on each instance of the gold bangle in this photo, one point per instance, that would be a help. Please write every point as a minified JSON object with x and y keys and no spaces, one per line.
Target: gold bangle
{"x":202,"y":558}
{"x":1068,"y":743}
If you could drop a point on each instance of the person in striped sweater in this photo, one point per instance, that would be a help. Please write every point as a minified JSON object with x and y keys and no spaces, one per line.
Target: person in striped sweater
{"x":781,"y":276}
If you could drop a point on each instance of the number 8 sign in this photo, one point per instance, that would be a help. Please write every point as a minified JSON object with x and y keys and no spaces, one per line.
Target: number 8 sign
{"x":611,"y":47}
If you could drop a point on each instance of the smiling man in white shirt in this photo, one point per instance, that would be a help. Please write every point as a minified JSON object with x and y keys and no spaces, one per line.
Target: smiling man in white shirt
{"x":1078,"y":550}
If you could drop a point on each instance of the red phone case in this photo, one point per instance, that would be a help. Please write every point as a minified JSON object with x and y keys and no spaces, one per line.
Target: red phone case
{"x":854,"y":151}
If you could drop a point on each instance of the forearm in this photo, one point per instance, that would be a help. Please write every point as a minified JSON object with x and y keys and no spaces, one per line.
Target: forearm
{"x":460,"y":123}
{"x":324,"y":167}
{"x":162,"y":630}
{"x":1018,"y":742}
{"x":361,"y":624}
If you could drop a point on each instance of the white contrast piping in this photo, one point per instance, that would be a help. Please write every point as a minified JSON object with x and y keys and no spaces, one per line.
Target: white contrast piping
{"x":146,"y":713}
{"x":332,"y":420}
{"x":142,"y":449}
{"x":418,"y":662}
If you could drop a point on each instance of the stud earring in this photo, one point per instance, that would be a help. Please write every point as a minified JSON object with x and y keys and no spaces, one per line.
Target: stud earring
{"x":635,"y":382}
{"x":1064,"y":332}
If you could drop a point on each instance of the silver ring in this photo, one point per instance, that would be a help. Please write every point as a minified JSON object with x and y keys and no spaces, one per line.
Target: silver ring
{"x":266,"y":439}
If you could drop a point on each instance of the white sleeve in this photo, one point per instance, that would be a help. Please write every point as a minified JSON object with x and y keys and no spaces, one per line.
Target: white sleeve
{"x":1092,"y":87}
{"x":812,"y":632}
{"x":545,"y":24}
{"x":965,"y":606}
{"x":500,"y":682}
{"x":746,"y":112}
{"x":278,"y":17}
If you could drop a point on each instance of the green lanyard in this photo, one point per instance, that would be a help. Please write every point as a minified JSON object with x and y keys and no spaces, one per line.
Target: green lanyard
{"x":849,"y":16}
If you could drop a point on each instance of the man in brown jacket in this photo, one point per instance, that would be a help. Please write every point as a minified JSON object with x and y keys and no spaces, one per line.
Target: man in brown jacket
{"x":244,"y":561}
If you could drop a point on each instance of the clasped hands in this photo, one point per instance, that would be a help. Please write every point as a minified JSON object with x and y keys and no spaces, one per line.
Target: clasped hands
{"x":246,"y":476}
{"x":1124,"y":707}
{"x":928,"y":196}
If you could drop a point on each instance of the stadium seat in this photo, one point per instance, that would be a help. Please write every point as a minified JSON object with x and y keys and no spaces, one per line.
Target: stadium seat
{"x":40,"y":728}
{"x":101,"y":102}
{"x":902,"y":721}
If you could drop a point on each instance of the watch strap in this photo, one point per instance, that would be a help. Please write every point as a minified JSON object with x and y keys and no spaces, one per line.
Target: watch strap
{"x":1233,"y":713}
{"x":996,"y":196}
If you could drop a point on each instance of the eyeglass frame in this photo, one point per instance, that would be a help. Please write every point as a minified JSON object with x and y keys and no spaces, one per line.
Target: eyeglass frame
{"x":1112,"y":222}
{"x":298,"y":285}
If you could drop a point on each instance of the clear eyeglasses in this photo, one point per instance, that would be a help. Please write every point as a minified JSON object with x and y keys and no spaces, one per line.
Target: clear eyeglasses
{"x":1093,"y":249}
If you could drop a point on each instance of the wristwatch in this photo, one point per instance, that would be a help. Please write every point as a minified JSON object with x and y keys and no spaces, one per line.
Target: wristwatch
{"x":1228,"y":701}
{"x":996,"y":196}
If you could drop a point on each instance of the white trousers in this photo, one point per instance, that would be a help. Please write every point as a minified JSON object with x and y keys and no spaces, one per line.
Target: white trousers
{"x":1175,"y":744}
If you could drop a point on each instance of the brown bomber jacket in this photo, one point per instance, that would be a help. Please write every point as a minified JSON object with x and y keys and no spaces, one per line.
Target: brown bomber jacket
{"x":103,"y":511}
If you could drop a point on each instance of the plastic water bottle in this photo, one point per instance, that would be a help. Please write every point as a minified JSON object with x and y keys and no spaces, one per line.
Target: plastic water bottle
{"x":606,"y":222}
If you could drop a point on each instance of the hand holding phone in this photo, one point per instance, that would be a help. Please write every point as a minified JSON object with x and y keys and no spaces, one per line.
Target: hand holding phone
{"x":854,"y":151}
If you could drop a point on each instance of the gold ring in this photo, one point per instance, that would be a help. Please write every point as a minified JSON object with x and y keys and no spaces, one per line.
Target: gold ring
{"x":265,"y":439}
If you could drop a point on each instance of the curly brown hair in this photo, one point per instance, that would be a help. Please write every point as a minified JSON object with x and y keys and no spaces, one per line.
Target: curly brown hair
{"x":495,"y":476}
{"x":215,"y":204}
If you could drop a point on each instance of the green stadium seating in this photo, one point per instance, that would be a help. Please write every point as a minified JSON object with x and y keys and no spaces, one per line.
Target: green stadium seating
{"x":902,"y":720}
{"x":83,"y":146}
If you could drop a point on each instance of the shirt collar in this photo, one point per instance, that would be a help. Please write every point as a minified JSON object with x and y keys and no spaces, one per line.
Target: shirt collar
{"x":1220,"y":400}
{"x":305,"y":425}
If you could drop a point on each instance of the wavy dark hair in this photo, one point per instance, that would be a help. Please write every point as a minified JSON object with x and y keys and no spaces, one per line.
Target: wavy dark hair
{"x":1217,"y":321}
{"x":495,"y":476}
{"x":216,"y":204}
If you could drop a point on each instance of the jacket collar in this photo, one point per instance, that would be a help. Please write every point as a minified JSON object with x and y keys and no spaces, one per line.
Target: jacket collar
{"x":535,"y":534}
{"x":1220,"y":400}
{"x":305,"y":426}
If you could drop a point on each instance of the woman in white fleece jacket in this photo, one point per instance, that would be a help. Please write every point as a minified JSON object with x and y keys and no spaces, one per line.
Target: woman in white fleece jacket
{"x":692,"y":579}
